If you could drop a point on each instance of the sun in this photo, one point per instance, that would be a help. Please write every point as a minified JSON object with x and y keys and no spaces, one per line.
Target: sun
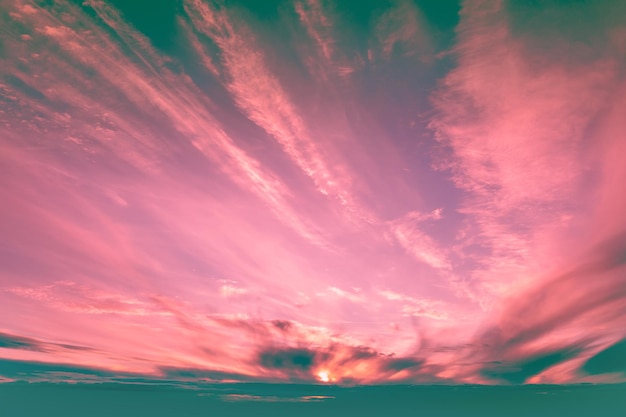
{"x":323,"y":376}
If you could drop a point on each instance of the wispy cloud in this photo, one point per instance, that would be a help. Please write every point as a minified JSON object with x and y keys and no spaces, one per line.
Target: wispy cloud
{"x":73,"y":297}
{"x":264,"y":100}
{"x":516,"y":124}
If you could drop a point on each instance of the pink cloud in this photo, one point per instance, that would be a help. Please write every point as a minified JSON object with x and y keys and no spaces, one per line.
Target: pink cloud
{"x":261,"y":96}
{"x":516,"y":133}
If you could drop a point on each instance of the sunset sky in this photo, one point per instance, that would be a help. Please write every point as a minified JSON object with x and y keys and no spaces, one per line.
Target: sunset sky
{"x":342,"y":192}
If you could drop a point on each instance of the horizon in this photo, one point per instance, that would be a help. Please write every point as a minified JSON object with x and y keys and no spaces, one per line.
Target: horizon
{"x":244,"y":399}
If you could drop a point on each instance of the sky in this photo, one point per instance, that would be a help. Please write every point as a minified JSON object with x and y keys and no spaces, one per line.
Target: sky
{"x":372,"y":192}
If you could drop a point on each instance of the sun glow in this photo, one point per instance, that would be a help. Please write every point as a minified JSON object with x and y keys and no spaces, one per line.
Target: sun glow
{"x":323,"y":376}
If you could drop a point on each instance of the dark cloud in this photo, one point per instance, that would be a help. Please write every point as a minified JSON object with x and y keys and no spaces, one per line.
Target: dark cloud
{"x":300,"y":364}
{"x":587,"y":287}
{"x":611,"y":359}
{"x":288,"y":359}
{"x":195,"y":374}
{"x":60,"y":372}
{"x":21,"y":86}
{"x":9,"y":341}
{"x":283,"y":325}
{"x":519,"y":372}
{"x":74,"y":347}
{"x":24,"y":370}
{"x":604,"y":257}
{"x":362,"y":352}
{"x":400,"y":364}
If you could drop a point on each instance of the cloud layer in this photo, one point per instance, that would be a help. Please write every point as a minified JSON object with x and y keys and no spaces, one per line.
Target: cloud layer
{"x":309,"y":191}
